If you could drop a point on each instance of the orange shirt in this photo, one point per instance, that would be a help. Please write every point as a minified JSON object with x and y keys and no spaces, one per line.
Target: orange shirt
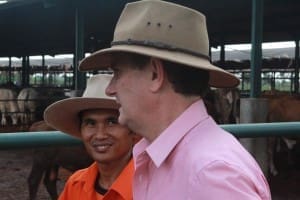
{"x":81,"y":185}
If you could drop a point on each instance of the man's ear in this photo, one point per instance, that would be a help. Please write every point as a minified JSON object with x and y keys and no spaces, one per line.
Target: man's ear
{"x":157,"y":74}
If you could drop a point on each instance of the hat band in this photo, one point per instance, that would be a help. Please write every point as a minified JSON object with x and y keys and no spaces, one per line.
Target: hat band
{"x":159,"y":45}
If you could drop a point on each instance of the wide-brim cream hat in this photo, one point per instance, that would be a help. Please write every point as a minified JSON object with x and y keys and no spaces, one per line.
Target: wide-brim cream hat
{"x":164,"y":30}
{"x":63,"y":115}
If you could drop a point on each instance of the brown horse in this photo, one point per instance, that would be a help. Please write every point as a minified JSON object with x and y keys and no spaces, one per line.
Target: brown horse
{"x":46,"y":162}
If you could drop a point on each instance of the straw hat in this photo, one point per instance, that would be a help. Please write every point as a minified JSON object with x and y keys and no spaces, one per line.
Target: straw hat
{"x":63,"y":115}
{"x":164,"y":30}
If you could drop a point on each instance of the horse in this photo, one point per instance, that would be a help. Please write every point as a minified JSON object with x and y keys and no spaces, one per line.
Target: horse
{"x":48,"y":160}
{"x":8,"y":106}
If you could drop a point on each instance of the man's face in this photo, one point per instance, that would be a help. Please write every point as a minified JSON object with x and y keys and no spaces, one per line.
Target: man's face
{"x":105,"y":139}
{"x":129,"y":86}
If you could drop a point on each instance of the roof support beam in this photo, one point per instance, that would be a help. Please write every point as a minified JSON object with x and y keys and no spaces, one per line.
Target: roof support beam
{"x":256,"y":50}
{"x":9,"y":72}
{"x":25,"y":71}
{"x":14,"y":4}
{"x":296,"y":78}
{"x":79,"y":77}
{"x":222,"y":54}
{"x":44,"y":70}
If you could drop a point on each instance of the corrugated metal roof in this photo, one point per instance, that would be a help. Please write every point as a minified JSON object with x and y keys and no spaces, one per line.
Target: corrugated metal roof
{"x":34,"y":27}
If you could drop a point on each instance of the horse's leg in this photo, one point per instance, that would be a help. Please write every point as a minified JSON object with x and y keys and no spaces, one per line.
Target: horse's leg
{"x":50,"y":181}
{"x":34,"y":179}
{"x":32,"y":115}
{"x":14,"y":118}
{"x":3,"y":120}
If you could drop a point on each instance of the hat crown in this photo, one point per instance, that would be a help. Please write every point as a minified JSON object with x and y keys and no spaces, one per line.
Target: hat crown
{"x":96,"y":86}
{"x":63,"y":115}
{"x":166,"y":31}
{"x":163,"y":24}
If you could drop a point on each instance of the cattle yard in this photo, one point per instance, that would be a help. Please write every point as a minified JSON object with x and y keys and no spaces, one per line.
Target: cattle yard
{"x":28,"y":86}
{"x":278,"y":73}
{"x":224,"y":107}
{"x":20,"y":107}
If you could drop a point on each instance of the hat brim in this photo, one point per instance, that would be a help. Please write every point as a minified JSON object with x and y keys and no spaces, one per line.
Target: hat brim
{"x":103,"y":59}
{"x":63,"y":115}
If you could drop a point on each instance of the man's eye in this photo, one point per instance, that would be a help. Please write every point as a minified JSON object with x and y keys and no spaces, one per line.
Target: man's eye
{"x":116,"y":71}
{"x":88,"y":122}
{"x":112,"y":121}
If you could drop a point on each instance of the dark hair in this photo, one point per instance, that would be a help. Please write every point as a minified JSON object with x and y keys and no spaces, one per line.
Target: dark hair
{"x":185,"y":80}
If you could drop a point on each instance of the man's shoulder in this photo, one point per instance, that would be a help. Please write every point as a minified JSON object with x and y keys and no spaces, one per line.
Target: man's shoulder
{"x":82,"y":174}
{"x":207,"y":144}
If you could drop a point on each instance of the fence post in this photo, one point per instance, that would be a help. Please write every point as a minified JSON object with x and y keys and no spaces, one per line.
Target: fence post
{"x":255,"y":110}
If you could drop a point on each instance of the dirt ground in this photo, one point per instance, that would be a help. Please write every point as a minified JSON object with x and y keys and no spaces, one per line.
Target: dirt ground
{"x":15,"y":167}
{"x":285,"y":186}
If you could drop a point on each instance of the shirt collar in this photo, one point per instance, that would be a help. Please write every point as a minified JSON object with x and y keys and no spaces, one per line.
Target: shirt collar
{"x":89,"y":181}
{"x":120,"y":185}
{"x":161,"y":147}
{"x":123,"y":185}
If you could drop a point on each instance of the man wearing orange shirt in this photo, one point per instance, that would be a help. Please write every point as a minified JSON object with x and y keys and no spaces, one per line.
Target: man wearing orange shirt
{"x":94,"y":119}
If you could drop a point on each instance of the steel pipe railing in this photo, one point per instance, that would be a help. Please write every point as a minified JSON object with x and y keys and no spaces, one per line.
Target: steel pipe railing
{"x":20,"y":140}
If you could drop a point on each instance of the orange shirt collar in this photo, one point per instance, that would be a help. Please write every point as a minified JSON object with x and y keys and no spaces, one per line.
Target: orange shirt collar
{"x":122,"y":185}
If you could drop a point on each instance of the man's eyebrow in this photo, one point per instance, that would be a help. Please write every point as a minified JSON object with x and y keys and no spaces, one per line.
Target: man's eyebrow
{"x":112,"y":117}
{"x":87,"y":119}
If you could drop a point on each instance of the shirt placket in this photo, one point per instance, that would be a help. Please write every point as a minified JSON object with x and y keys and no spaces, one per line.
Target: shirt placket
{"x":141,"y":177}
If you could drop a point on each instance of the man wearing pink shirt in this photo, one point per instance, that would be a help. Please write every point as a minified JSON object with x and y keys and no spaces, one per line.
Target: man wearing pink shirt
{"x":159,"y":56}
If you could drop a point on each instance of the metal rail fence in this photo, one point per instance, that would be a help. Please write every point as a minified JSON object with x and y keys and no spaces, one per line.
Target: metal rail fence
{"x":21,"y":140}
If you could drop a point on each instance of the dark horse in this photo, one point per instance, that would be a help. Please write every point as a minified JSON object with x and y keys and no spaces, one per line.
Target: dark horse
{"x":46,"y":162}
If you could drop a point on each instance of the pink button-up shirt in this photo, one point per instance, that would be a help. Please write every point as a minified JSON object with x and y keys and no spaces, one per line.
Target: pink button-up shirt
{"x":194,"y":159}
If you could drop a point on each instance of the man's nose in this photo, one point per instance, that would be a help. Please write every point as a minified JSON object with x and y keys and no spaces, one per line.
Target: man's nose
{"x":101,"y":130}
